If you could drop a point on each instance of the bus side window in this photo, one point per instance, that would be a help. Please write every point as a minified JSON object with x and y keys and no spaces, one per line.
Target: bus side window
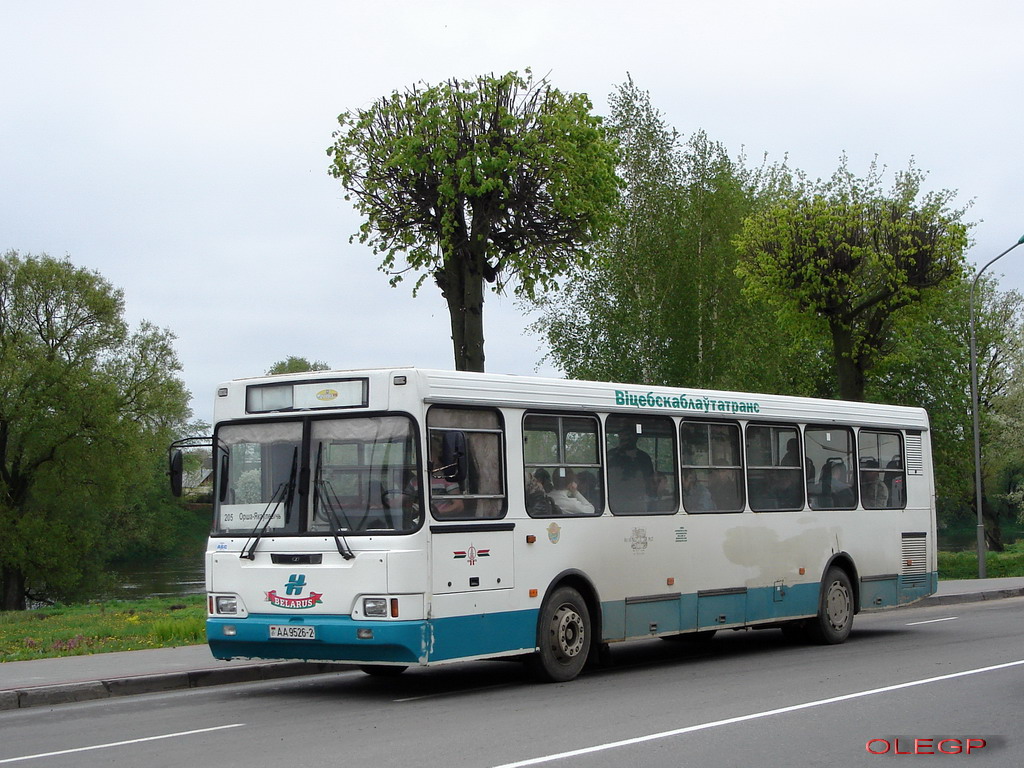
{"x":642,"y":466}
{"x":882,"y":472}
{"x":712,"y":470}
{"x":467,"y":472}
{"x":831,"y":448}
{"x":774,"y":474}
{"x":562,"y":466}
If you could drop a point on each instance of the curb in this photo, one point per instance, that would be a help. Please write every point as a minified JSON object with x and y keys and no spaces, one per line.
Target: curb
{"x":66,"y":693}
{"x":972,"y":597}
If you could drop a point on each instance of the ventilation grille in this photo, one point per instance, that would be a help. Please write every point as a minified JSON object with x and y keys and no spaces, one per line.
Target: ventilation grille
{"x":915,"y":455}
{"x":914,"y":565}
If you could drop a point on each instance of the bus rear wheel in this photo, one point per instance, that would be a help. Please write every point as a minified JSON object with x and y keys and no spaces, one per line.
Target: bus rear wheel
{"x":563,"y":637}
{"x":835,"y":609}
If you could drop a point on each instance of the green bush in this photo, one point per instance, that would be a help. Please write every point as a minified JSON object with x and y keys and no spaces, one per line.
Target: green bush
{"x":964,"y":565}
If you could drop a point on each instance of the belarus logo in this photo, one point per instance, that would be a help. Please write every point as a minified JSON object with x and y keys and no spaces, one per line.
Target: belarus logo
{"x":472,"y":554}
{"x":294,"y":586}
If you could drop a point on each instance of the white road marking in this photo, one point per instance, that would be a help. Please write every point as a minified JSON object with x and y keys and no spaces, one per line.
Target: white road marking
{"x":754,"y":716}
{"x":932,"y":621}
{"x":118,"y":743}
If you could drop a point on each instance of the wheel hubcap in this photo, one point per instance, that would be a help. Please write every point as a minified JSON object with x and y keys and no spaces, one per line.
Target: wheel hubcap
{"x":837,"y":605}
{"x":567,"y":628}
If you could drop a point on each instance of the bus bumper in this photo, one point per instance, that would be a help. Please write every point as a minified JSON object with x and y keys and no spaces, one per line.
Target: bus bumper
{"x":337,"y":638}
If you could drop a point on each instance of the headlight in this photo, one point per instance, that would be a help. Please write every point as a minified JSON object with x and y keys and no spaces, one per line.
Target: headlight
{"x":226,"y":604}
{"x":375,"y":606}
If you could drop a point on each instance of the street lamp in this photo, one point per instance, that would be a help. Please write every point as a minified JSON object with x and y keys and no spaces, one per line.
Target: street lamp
{"x":974,"y":415}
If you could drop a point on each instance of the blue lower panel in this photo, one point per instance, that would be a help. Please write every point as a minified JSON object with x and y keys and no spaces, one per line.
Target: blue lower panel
{"x":785,"y":602}
{"x":420,"y":642}
{"x":897,"y":590}
{"x":913,"y":588}
{"x":483,"y":635}
{"x":402,"y":642}
{"x":393,"y":641}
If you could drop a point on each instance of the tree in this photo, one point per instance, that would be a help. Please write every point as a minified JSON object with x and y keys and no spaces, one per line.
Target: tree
{"x":496,"y":180}
{"x":293,"y":364}
{"x":1000,"y":347}
{"x":660,"y":302}
{"x":86,"y":410}
{"x":852,"y":255}
{"x":927,"y":365}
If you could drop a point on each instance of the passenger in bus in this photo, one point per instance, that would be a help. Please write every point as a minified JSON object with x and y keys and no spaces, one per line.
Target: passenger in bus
{"x":630,"y":475}
{"x":566,"y":494}
{"x":696,"y":495}
{"x":441,"y":486}
{"x":895,"y":481}
{"x":792,"y":459}
{"x":544,"y":478}
{"x":835,"y":486}
{"x":874,"y":494}
{"x":664,"y":494}
{"x":586,"y":482}
{"x":537,"y":502}
{"x":725,"y":485}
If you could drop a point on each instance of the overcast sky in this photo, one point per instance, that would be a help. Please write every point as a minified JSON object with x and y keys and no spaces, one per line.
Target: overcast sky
{"x":178,"y":148}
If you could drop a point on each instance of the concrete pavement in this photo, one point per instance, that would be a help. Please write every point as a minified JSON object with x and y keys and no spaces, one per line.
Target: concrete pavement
{"x":46,"y":682}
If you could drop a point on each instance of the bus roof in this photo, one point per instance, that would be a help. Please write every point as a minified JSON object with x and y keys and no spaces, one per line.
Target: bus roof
{"x":514,"y":391}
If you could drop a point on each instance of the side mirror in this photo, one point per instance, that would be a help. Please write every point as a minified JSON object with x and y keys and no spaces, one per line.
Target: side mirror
{"x":176,"y":462}
{"x":176,"y":458}
{"x":455,"y":457}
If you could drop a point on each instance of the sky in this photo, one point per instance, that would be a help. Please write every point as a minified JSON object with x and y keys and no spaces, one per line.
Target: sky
{"x":179,"y":148}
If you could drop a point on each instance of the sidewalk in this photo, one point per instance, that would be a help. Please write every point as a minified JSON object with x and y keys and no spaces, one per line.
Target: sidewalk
{"x":47,"y":682}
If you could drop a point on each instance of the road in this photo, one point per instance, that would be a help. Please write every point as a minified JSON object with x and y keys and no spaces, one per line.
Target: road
{"x":944,"y":674}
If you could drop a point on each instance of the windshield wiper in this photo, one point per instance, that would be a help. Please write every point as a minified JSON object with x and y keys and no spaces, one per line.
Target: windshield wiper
{"x":326,"y":497}
{"x":285,"y":492}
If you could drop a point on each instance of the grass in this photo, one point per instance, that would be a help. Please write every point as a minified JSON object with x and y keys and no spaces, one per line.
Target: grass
{"x":118,"y":625}
{"x":964,"y":565}
{"x":115,"y":625}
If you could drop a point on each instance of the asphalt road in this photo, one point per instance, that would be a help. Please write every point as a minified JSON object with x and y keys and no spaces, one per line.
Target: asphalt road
{"x":944,"y":674}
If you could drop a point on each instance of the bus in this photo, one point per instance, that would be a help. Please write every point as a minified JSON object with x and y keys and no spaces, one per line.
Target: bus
{"x":406,"y":517}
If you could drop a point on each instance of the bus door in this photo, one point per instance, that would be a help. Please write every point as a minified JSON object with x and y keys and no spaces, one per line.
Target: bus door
{"x":472,"y":571}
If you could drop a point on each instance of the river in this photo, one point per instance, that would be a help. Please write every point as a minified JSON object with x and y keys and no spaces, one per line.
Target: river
{"x":157,"y":577}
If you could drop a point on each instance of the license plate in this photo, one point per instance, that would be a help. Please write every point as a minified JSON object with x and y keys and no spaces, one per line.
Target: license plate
{"x":292,"y":632}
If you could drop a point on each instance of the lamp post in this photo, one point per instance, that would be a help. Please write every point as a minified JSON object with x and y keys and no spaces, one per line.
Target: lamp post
{"x":982,"y":572}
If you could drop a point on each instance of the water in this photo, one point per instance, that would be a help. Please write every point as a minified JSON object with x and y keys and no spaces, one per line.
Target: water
{"x":157,"y":577}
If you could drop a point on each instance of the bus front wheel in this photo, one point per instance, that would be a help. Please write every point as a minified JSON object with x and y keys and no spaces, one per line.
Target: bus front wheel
{"x":835,"y":609}
{"x":563,"y":637}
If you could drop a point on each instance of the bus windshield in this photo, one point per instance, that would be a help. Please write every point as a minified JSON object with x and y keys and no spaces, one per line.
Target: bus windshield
{"x":359,"y":475}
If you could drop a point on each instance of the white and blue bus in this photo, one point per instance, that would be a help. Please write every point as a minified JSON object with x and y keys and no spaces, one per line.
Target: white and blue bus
{"x":400,"y":517}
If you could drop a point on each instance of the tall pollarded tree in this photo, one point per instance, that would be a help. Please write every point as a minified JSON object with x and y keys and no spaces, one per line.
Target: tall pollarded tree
{"x":500,"y":180}
{"x":852,"y":254}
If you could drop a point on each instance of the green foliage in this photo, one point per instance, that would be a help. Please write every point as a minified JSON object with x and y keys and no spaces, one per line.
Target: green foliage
{"x":964,"y":565}
{"x":660,"y":302}
{"x":499,"y":179}
{"x":76,"y":630}
{"x":87,"y":408}
{"x":293,"y":364}
{"x":849,"y":282}
{"x":851,"y":254}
